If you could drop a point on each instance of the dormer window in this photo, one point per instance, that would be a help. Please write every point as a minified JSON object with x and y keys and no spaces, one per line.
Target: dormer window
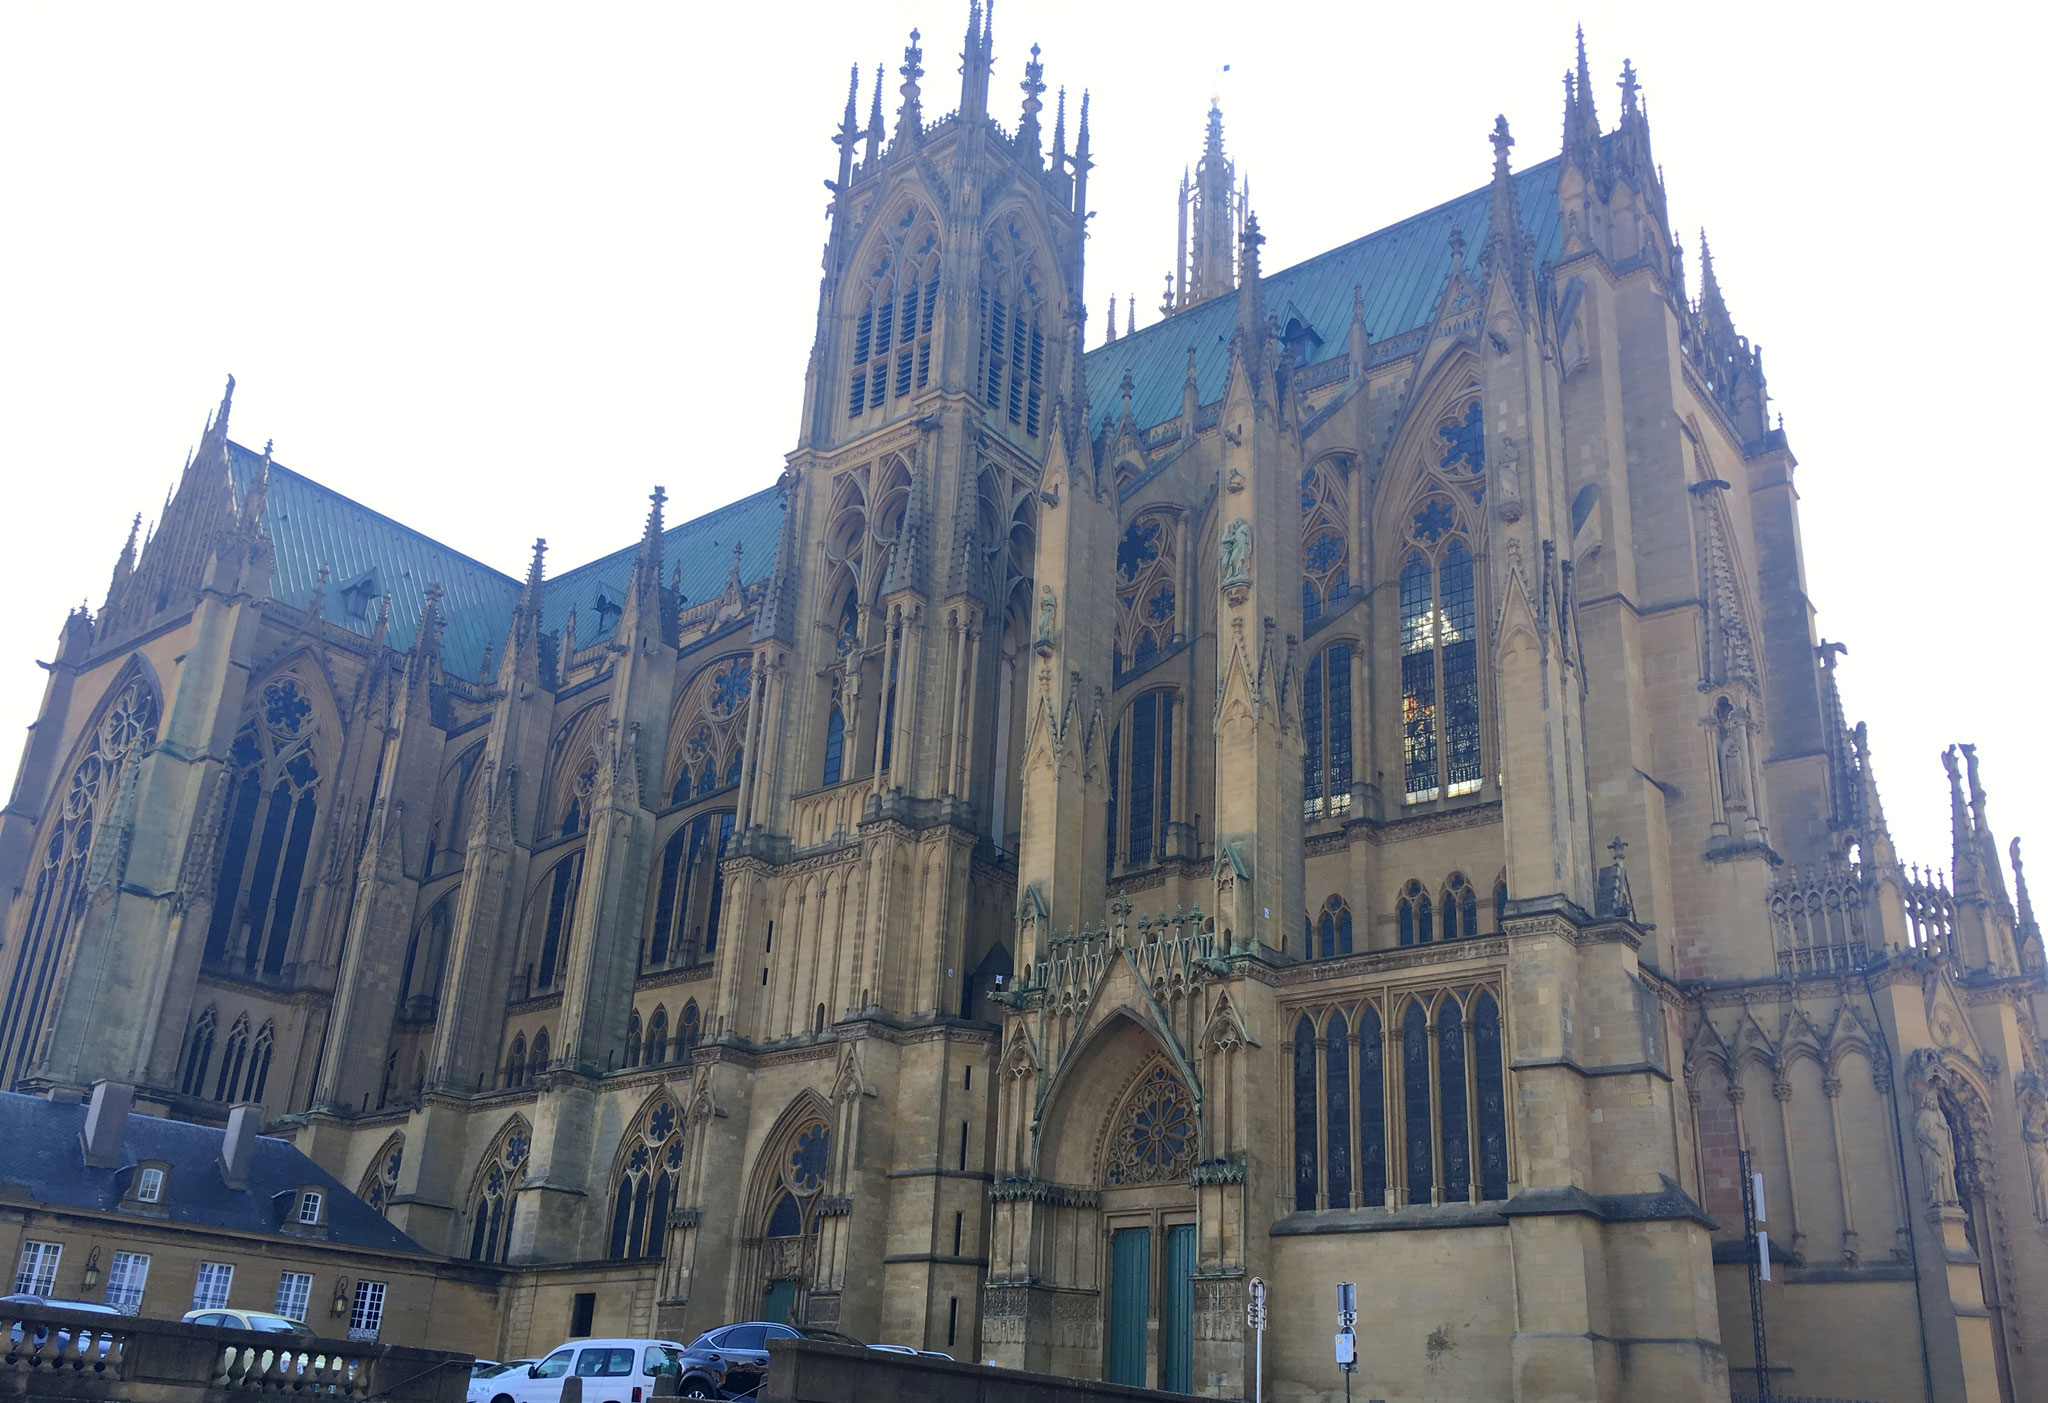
{"x":357,"y":594}
{"x":309,"y":1208}
{"x":149,"y":1186}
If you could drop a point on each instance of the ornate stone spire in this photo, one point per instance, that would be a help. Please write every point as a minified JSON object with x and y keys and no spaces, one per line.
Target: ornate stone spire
{"x":875,"y":133}
{"x":1210,"y":210}
{"x":910,"y":115}
{"x":1027,"y":125}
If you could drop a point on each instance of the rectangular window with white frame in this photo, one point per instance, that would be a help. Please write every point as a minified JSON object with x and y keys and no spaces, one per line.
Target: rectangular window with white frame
{"x":367,"y":1316}
{"x":294,"y":1290}
{"x":37,"y":1275}
{"x":210,"y":1291}
{"x":149,"y":1186}
{"x":309,"y":1209}
{"x":125,"y":1281}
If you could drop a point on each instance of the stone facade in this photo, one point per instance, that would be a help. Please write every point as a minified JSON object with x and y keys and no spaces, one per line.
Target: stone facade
{"x":1339,"y":784}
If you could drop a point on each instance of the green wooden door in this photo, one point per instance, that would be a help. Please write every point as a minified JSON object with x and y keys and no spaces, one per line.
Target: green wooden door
{"x":779,"y":1301}
{"x":1130,"y":1304}
{"x":1177,"y":1372}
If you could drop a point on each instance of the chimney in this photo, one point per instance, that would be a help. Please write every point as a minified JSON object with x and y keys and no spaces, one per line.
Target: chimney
{"x":105,"y":1121}
{"x":238,"y":1145}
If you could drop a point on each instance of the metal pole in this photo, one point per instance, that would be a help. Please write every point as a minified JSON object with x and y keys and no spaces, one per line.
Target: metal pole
{"x":1259,"y":1365}
{"x":1756,"y":1298}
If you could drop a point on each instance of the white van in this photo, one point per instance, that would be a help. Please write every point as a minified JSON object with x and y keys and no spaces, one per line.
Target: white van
{"x":612,"y":1371}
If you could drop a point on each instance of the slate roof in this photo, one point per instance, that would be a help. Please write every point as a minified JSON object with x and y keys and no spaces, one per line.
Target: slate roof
{"x":42,"y":1155}
{"x":1402,"y":269}
{"x":311,"y":523}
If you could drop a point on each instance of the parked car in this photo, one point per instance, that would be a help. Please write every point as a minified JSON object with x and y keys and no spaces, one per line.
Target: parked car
{"x":613,"y":1371}
{"x":25,"y":1298}
{"x":483,"y":1377}
{"x":742,"y":1352}
{"x":267,"y":1322}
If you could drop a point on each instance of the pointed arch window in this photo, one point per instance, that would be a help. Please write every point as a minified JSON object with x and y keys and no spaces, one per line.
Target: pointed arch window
{"x":1489,"y":1098}
{"x":1142,"y":749}
{"x":1326,"y":734}
{"x":1337,"y":1106}
{"x":1460,"y":908}
{"x":1439,"y":655}
{"x":259,"y":1062}
{"x":231,"y":1059}
{"x":425,"y":953}
{"x":835,"y":743}
{"x":1307,"y":1179}
{"x":892,"y":336}
{"x":1416,"y":1102}
{"x":1333,"y":928}
{"x":380,"y":1180}
{"x":1325,"y":539}
{"x":1372,"y":1111}
{"x":1012,"y":346}
{"x":657,"y":1038}
{"x":554,"y":911}
{"x":1500,"y":903}
{"x":198,"y":1053}
{"x":491,"y":1196}
{"x":125,"y":731}
{"x":515,"y":1062}
{"x":633,"y":1039}
{"x":1453,"y":1117}
{"x":1416,"y":915}
{"x":690,"y":893}
{"x":1147,"y":582}
{"x":537,"y":1059}
{"x":707,"y":728}
{"x":266,"y":832}
{"x":686,"y":1031}
{"x":644,"y":1181}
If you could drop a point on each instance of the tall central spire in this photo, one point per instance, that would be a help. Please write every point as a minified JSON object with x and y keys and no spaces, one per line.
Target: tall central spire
{"x":1211,"y":219}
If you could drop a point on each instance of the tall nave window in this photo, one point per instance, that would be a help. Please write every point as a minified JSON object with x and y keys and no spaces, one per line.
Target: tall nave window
{"x":1326,"y":734}
{"x":1141,"y":780}
{"x":1439,"y":656}
{"x":266,"y":833}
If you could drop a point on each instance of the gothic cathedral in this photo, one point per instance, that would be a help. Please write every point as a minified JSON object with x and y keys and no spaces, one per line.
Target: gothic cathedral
{"x":1337,"y":784}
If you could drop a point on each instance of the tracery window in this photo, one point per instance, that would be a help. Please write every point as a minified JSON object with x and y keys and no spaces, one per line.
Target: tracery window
{"x":380,"y":1180}
{"x":1416,"y":915}
{"x":231,"y":1059}
{"x":1333,"y":928}
{"x":125,"y":731}
{"x":690,"y":892}
{"x":707,"y":729}
{"x":687,"y":1031}
{"x":198,"y":1052}
{"x":266,"y":831}
{"x":1439,"y":613}
{"x":425,"y":954}
{"x":644,"y":1181}
{"x":1326,"y":734}
{"x":1141,"y":782}
{"x":1154,"y":1140}
{"x":1325,"y":539}
{"x":491,"y":1195}
{"x":1147,"y":580}
{"x":892,"y":336}
{"x":1460,"y":908}
{"x":572,"y":766}
{"x":551,"y":912}
{"x":1012,"y":352}
{"x":515,"y":1062}
{"x":657,"y":1037}
{"x":537,"y":1059}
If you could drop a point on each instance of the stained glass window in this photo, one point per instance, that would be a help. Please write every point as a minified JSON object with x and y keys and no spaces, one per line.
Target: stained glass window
{"x":1337,"y":1104}
{"x":1154,"y":1141}
{"x":1334,"y":928}
{"x":1416,"y":915}
{"x":1457,"y":1156}
{"x":1418,"y":681}
{"x":644,"y":1185}
{"x":1144,"y":756}
{"x":1141,"y":780}
{"x":1464,"y":441}
{"x":1490,"y":1097}
{"x":835,"y":744}
{"x":1305,"y":1149}
{"x":491,"y":1197}
{"x":1372,"y":1113}
{"x":1116,"y":738}
{"x":1415,"y":1102}
{"x":1461,"y":670}
{"x":1439,"y":657}
{"x":1326,"y":734}
{"x":1147,"y":563}
{"x":1325,"y":545}
{"x":560,"y":911}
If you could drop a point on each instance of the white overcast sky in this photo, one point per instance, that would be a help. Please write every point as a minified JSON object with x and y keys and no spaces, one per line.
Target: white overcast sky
{"x":496,"y":269}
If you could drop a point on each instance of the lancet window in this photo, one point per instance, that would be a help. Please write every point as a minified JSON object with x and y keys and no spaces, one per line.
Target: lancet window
{"x":380,"y":1180}
{"x":198,"y":1052}
{"x":551,"y":911}
{"x":1433,"y":1132}
{"x":1141,"y":780}
{"x":1415,"y":915}
{"x":1012,"y":353}
{"x":690,"y":892}
{"x":657,"y":1037}
{"x":644,"y":1181}
{"x":124,"y":732}
{"x":491,"y":1203}
{"x":1439,"y":655}
{"x":1147,"y":585}
{"x":1460,"y":907}
{"x":574,"y":755}
{"x":1333,"y":928}
{"x":266,"y":831}
{"x":892,"y":335}
{"x":425,"y":954}
{"x":1326,"y":734}
{"x":1325,"y":539}
{"x":708,"y":728}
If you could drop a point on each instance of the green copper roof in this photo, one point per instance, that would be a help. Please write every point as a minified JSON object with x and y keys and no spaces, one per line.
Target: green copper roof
{"x":1402,"y":269}
{"x":368,"y":554}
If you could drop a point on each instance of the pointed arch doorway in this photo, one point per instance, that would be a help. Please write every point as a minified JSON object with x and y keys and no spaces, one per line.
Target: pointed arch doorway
{"x":1148,"y":1208}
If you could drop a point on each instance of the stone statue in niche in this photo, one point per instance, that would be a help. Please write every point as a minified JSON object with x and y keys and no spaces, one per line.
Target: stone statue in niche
{"x":1937,"y":1147}
{"x":1048,"y":611}
{"x":1234,"y":553}
{"x":2034,"y":1131}
{"x":1507,"y":480}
